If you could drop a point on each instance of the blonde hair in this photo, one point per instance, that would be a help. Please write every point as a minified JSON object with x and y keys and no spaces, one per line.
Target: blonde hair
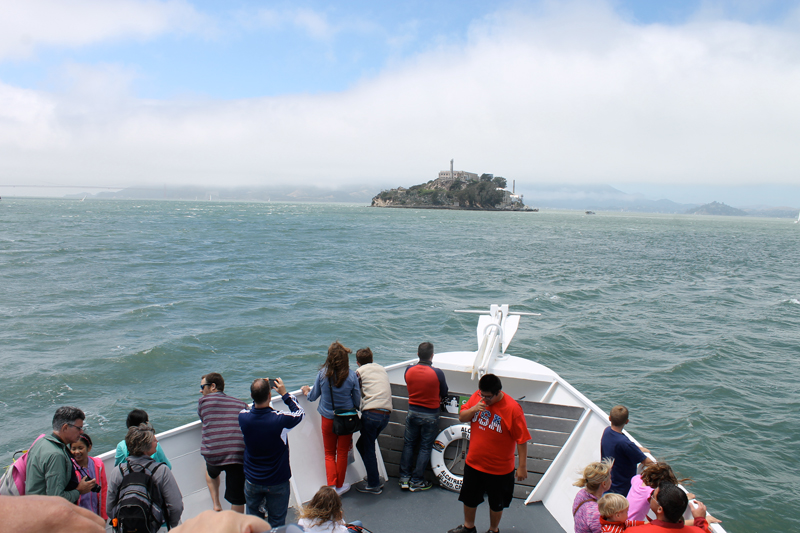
{"x":595,"y":474}
{"x":325,"y":506}
{"x":611,"y":504}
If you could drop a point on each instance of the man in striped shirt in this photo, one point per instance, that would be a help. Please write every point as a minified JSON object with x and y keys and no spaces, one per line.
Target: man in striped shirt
{"x":222,"y":444}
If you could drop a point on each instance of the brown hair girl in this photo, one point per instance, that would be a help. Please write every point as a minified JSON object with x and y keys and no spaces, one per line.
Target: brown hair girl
{"x":325,"y":506}
{"x":337,"y":364}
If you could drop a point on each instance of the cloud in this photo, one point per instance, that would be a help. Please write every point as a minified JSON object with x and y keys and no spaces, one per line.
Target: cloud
{"x":29,"y":25}
{"x":312,"y":23}
{"x":576,"y":94}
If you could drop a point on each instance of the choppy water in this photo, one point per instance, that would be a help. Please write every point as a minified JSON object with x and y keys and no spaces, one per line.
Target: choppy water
{"x":690,"y":321}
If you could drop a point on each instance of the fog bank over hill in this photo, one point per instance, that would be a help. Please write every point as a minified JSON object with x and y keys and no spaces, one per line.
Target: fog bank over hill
{"x":579,"y":197}
{"x":608,"y":198}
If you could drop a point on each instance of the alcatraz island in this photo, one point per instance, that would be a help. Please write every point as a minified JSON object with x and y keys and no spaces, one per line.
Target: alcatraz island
{"x":455,"y":189}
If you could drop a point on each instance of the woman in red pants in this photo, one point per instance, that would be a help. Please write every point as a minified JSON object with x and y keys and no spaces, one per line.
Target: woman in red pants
{"x":337,"y":388}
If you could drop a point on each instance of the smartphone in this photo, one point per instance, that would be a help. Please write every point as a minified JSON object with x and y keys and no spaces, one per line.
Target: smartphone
{"x":272,"y":383}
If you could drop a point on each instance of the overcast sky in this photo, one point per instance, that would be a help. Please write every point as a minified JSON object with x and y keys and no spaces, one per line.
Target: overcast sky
{"x":664,"y":98}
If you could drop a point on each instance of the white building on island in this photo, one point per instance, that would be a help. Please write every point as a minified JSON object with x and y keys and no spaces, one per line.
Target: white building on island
{"x":451,"y":175}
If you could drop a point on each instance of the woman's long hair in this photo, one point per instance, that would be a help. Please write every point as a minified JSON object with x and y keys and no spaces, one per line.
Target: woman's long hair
{"x":325,"y":506}
{"x":337,"y":365}
{"x":653,"y":475}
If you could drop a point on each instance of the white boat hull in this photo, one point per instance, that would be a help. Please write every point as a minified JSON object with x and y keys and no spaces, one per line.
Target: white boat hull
{"x":522,"y":379}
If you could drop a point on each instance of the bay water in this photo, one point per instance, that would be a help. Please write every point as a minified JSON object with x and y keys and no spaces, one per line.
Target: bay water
{"x":692,"y":322}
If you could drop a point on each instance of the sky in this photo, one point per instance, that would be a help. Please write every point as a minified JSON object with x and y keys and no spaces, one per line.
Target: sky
{"x":681,"y":99}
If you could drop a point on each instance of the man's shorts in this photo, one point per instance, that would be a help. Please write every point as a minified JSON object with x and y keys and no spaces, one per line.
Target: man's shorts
{"x":500,"y":489}
{"x":234,"y":481}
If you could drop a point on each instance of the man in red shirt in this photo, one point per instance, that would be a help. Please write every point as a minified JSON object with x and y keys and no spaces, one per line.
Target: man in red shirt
{"x":426,"y":388}
{"x":497,"y":429}
{"x":668,"y":502}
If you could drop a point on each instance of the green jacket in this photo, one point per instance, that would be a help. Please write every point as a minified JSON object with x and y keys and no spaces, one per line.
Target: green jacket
{"x":49,"y":469}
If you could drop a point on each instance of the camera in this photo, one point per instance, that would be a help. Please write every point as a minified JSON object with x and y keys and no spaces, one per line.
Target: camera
{"x":96,"y":488}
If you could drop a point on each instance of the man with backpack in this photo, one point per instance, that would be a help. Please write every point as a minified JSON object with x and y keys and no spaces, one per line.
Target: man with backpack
{"x":49,"y":471}
{"x":143,"y":493}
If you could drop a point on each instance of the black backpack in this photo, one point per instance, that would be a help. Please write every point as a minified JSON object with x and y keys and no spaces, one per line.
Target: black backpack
{"x":140,"y":507}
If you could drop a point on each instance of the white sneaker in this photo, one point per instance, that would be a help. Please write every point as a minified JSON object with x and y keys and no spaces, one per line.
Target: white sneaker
{"x":344,"y":488}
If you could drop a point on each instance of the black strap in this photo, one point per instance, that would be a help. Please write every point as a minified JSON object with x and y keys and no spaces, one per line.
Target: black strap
{"x":330,"y":388}
{"x":73,"y":482}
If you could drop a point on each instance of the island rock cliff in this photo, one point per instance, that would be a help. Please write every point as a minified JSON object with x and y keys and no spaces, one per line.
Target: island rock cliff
{"x":485,"y":193}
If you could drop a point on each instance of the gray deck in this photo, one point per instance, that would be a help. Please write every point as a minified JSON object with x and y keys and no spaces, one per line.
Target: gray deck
{"x":436,"y":511}
{"x":550,"y":426}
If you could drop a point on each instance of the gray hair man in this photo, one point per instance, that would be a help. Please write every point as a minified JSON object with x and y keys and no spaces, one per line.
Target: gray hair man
{"x":50,"y":471}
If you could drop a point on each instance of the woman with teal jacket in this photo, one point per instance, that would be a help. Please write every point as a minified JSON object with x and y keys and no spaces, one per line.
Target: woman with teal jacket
{"x":136,"y":417}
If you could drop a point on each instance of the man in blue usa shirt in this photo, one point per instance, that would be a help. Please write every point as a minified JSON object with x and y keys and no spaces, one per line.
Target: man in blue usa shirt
{"x":266,"y":454}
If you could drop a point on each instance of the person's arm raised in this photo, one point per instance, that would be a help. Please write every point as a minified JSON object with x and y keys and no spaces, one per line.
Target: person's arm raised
{"x":466,"y":415}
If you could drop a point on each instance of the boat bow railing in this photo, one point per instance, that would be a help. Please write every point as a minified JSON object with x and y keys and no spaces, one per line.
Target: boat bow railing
{"x":495,"y":331}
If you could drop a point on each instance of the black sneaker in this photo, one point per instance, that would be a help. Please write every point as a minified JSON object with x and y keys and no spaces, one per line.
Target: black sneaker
{"x":416,"y":487}
{"x":361,"y":486}
{"x":404,"y":484}
{"x":463,"y":529}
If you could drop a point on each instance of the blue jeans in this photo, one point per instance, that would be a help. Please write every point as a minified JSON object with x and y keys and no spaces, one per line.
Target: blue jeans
{"x":274,"y":498}
{"x":422,"y":428}
{"x":372,"y":423}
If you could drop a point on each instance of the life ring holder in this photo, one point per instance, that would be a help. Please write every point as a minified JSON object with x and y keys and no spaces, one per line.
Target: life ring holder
{"x":446,"y":478}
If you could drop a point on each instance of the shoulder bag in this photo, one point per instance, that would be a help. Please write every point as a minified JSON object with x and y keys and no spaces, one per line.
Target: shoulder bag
{"x":345,"y":421}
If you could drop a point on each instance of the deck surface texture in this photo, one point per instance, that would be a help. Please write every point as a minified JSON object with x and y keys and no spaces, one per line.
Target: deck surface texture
{"x":436,"y":511}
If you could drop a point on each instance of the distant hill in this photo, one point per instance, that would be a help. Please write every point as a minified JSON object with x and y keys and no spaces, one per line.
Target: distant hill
{"x":772,"y":212}
{"x":716,"y":208}
{"x":545,"y":196}
{"x":356,"y":195}
{"x":595,"y":198}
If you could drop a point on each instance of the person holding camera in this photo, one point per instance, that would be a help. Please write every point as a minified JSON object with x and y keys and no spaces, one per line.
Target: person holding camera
{"x":90,"y":468}
{"x":50,"y":471}
{"x":266,"y":454}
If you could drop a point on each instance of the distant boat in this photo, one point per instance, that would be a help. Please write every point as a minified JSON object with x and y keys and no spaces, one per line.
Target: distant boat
{"x":84,"y":197}
{"x":590,"y":212}
{"x":798,"y":218}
